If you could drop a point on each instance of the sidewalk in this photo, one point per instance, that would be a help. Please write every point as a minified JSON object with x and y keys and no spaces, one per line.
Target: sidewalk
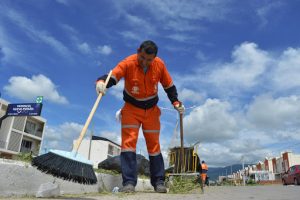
{"x":270,"y":192}
{"x":21,"y":179}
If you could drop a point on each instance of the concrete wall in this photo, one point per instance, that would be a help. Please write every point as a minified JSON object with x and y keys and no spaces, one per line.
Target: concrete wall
{"x":21,"y":179}
{"x":98,"y":152}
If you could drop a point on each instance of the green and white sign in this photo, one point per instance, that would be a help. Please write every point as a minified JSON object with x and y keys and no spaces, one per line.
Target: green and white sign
{"x":39,"y":99}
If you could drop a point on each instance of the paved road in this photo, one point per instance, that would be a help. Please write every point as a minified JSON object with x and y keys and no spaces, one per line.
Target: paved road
{"x":271,"y":192}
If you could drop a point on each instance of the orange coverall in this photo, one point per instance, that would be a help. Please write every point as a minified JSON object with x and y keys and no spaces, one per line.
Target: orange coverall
{"x":141,"y":89}
{"x":204,"y":172}
{"x":140,"y":110}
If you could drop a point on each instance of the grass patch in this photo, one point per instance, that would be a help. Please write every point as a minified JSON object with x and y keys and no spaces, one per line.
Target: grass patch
{"x":106,"y":171}
{"x":180,"y":184}
{"x":25,"y":157}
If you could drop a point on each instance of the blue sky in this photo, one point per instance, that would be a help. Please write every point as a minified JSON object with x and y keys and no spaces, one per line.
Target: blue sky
{"x":236,"y":65}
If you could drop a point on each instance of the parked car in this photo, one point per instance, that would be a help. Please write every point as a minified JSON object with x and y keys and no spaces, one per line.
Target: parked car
{"x":292,"y":176}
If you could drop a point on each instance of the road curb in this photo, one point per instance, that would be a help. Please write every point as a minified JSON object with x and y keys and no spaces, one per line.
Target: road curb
{"x":21,"y":179}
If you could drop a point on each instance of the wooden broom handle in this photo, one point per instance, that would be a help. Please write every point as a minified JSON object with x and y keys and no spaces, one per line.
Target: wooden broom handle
{"x":181,"y":143}
{"x":89,"y":119}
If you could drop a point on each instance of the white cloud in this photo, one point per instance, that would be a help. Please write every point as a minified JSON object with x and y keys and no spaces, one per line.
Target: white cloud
{"x":37,"y":35}
{"x":179,"y":37}
{"x":71,"y":30}
{"x":257,"y":133}
{"x":248,"y":64}
{"x":171,"y":10}
{"x":84,"y":48}
{"x":9,"y":48}
{"x":263,"y":12}
{"x":274,"y":114}
{"x":131,"y":35}
{"x":228,"y":153}
{"x":255,"y":128}
{"x":176,"y":16}
{"x":117,"y":90}
{"x":65,"y":2}
{"x":200,"y":55}
{"x":190,"y":95}
{"x":28,"y":89}
{"x":113,"y":136}
{"x":250,"y":69}
{"x":211,"y":122}
{"x":105,"y":49}
{"x":140,"y":24}
{"x":287,"y":70}
{"x":61,"y":137}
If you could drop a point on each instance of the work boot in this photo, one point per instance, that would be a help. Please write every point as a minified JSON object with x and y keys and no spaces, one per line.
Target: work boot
{"x":129,"y":188}
{"x":160,"y":188}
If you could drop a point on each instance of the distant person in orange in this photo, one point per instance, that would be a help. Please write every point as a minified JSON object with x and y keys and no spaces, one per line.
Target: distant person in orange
{"x":204,"y":172}
{"x":142,"y":72}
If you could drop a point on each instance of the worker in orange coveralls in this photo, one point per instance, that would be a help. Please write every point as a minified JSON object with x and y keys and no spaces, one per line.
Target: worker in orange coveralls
{"x":204,"y":172}
{"x":142,"y":72}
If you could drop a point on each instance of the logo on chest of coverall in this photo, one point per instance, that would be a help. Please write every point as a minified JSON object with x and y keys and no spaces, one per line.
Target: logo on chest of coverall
{"x":135,"y":90}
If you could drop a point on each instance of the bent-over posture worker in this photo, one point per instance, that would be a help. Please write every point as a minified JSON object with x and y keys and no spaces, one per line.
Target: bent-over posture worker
{"x":142,"y":72}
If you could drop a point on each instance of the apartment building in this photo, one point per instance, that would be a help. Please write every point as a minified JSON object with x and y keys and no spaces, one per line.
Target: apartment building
{"x":20,"y":134}
{"x":289,"y":159}
{"x":259,"y":166}
{"x":271,"y":169}
{"x":268,"y":164}
{"x":277,"y":167}
{"x":98,"y":149}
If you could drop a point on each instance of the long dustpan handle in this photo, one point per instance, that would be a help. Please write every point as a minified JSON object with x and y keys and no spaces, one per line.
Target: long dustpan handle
{"x":88,"y":121}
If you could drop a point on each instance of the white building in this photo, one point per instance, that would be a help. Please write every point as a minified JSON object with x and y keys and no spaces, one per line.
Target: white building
{"x":98,"y":149}
{"x":289,"y":159}
{"x":20,"y":134}
{"x":269,"y":164}
{"x":262,"y":176}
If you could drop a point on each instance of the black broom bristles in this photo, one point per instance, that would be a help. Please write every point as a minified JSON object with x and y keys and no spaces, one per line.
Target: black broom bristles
{"x":65,"y":168}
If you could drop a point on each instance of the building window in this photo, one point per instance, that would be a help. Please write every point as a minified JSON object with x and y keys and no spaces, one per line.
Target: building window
{"x":26,"y":146}
{"x":113,"y":150}
{"x":30,"y":127}
{"x":110,"y":150}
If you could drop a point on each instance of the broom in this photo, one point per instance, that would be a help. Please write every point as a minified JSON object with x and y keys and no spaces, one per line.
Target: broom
{"x":70,"y":165}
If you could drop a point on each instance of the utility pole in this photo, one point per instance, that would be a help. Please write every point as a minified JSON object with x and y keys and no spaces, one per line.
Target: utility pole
{"x":243,"y":171}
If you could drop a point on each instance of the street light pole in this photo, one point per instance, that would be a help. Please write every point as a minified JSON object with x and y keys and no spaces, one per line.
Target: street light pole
{"x":244,"y":173}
